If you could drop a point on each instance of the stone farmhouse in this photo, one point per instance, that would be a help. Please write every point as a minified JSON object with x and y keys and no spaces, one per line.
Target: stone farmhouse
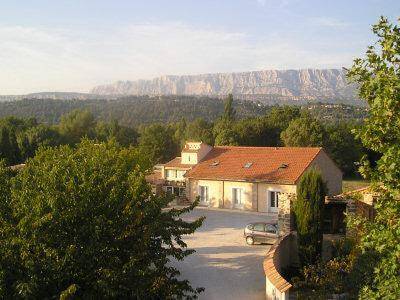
{"x":247,"y":178}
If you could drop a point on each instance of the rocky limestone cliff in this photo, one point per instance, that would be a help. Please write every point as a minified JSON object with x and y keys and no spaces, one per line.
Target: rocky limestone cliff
{"x":307,"y":84}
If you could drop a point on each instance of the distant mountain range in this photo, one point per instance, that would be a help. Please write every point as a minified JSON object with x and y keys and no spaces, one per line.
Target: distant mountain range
{"x":269,"y":86}
{"x":55,"y":96}
{"x":293,"y":87}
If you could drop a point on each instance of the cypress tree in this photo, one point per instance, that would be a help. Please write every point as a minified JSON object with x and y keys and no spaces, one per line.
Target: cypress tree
{"x":308,"y":211}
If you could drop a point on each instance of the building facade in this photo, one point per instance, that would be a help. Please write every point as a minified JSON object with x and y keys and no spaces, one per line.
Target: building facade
{"x":246,"y":178}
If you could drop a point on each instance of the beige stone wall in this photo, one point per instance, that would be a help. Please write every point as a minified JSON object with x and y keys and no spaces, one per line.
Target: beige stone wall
{"x":248,"y":192}
{"x":263,"y":189}
{"x":192,"y":158}
{"x":220,"y":193}
{"x":215,"y":191}
{"x":189,"y":158}
{"x":330,"y":173}
{"x":254,"y":195}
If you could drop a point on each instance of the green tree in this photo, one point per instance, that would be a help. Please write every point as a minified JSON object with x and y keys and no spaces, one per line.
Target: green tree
{"x":308,"y":210}
{"x":343,"y":147}
{"x":200,"y":130}
{"x":378,"y":77}
{"x":226,"y":137}
{"x":41,"y":135}
{"x":229,"y":111}
{"x":76,"y":125}
{"x":180,"y":132}
{"x":125,"y":136}
{"x":223,"y":131}
{"x":304,"y":132}
{"x":156,"y":141}
{"x":281,"y":116}
{"x":9,"y":150}
{"x":83,"y":223}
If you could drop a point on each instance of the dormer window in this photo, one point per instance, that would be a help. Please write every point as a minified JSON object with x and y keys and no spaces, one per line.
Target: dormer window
{"x":215,"y":163}
{"x":283,"y":166}
{"x":247,"y":165}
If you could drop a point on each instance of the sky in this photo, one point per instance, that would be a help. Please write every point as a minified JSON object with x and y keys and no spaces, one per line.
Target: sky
{"x":74,"y":45}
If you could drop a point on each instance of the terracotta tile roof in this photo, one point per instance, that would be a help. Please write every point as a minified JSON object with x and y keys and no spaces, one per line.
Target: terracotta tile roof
{"x":176,"y":163}
{"x":190,"y":150}
{"x":155,"y":177}
{"x":265,"y":164}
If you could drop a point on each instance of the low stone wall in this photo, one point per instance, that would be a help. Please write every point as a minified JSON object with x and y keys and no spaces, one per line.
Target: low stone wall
{"x":281,"y":255}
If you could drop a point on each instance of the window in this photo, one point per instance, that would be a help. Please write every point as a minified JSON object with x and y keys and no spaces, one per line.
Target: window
{"x":273,"y":196}
{"x":181,"y":191}
{"x":176,"y":191}
{"x":259,"y":227}
{"x":203,"y":194}
{"x":270,"y":229}
{"x":237,"y":196}
{"x":169,"y":189}
{"x":171,"y":173}
{"x":180,"y":174}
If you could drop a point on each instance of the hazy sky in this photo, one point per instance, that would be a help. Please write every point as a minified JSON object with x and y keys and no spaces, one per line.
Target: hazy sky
{"x":73,"y":45}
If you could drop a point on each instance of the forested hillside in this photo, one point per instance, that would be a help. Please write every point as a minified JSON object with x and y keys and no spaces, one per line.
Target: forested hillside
{"x":134,"y":111}
{"x":160,"y":127}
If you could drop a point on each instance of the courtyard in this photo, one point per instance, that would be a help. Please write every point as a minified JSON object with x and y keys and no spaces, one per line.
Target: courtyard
{"x":223,"y":263}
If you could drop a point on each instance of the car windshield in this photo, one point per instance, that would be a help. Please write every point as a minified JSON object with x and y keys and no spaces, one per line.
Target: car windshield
{"x":259,"y":227}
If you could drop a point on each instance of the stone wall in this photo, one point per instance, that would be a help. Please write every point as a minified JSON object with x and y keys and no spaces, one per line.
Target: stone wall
{"x":285,"y":214}
{"x":281,"y":255}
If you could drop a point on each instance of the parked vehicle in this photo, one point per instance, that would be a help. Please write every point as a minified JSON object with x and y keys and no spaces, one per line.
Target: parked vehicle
{"x":261,"y":232}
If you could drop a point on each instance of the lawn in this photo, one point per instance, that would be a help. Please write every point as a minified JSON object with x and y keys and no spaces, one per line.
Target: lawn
{"x":354,"y":184}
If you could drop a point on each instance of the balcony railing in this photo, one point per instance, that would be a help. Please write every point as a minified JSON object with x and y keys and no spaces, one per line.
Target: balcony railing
{"x":175,"y":183}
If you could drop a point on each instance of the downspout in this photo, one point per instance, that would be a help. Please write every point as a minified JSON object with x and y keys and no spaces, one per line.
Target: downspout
{"x":223,"y":194}
{"x":257,"y":196}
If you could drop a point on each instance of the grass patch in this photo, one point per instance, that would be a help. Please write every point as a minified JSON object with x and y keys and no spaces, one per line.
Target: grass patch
{"x":354,"y":184}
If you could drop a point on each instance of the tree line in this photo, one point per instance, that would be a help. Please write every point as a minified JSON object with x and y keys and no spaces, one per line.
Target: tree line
{"x":133,"y":111}
{"x":278,"y":126}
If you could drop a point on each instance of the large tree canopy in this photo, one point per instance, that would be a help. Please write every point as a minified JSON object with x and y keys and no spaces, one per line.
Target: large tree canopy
{"x":304,"y":132}
{"x":378,"y":75}
{"x":83,"y":223}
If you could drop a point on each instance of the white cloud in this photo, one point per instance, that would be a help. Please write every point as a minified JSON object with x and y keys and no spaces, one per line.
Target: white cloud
{"x":275,"y":3}
{"x":329,"y":22}
{"x":44,"y":59}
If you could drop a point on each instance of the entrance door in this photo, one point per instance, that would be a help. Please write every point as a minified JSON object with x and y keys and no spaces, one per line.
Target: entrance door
{"x":237,"y":197}
{"x":273,"y":201}
{"x":203,"y":191}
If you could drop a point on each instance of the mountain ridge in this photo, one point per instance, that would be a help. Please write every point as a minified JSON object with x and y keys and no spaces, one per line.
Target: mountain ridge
{"x":303,"y":85}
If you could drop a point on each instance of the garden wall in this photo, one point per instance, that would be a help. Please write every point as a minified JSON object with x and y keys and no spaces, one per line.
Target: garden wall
{"x":281,"y":255}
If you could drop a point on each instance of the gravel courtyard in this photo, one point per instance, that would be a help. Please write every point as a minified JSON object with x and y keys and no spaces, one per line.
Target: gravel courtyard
{"x":224,"y":265}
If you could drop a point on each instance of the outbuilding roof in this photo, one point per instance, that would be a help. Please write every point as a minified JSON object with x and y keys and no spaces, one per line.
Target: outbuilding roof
{"x":256,"y":164}
{"x":177,"y":164}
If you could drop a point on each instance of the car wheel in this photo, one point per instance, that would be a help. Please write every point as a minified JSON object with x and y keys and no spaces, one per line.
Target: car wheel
{"x":249,"y":240}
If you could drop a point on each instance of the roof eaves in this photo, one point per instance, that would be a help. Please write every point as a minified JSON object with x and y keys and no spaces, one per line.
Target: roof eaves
{"x":285,"y":182}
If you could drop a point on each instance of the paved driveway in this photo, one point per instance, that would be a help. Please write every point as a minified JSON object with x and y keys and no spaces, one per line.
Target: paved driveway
{"x":224,"y":265}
